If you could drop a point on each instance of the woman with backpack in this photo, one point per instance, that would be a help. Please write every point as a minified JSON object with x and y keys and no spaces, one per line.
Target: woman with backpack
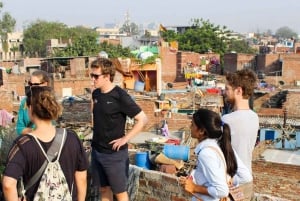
{"x":30,"y":151}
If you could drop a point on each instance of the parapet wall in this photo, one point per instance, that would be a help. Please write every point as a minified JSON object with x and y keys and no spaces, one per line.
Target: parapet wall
{"x":280,"y":180}
{"x":148,"y":185}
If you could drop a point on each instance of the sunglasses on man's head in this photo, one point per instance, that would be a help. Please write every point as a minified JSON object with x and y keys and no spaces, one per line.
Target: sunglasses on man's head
{"x":95,"y":76}
{"x":35,"y":84}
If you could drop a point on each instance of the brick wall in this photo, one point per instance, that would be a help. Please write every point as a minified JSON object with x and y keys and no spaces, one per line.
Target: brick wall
{"x":31,"y":62}
{"x":6,"y":64}
{"x":234,"y":62}
{"x":80,"y":111}
{"x":283,"y":49}
{"x":157,"y":186}
{"x":175,"y":121}
{"x":174,"y":61}
{"x":76,"y":112}
{"x":148,"y":107}
{"x":230,"y":62}
{"x":168,"y":63}
{"x":268,"y":62}
{"x":78,"y":68}
{"x":13,"y":85}
{"x":271,"y":64}
{"x":78,"y":85}
{"x":290,"y":68}
{"x":276,"y":180}
{"x":16,"y":84}
{"x":6,"y":100}
{"x":280,"y":180}
{"x":272,"y":181}
{"x":292,"y":104}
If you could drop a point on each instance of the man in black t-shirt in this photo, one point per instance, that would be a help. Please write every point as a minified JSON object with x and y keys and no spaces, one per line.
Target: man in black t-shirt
{"x":111,"y":105}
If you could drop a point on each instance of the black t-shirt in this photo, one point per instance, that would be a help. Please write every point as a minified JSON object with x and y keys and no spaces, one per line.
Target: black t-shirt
{"x":109,"y":112}
{"x":25,"y":158}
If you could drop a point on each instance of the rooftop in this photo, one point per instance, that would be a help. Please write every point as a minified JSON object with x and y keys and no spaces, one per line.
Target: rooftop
{"x":282,"y":156}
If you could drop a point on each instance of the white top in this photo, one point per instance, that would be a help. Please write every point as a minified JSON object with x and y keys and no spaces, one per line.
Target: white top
{"x":210,"y":171}
{"x":244,"y":126}
{"x":243,"y":174}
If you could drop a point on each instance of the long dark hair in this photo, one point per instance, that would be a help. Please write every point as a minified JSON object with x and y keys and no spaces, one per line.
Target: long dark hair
{"x":214,"y":128}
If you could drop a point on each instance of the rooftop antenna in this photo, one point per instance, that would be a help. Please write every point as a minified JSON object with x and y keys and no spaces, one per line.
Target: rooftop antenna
{"x":127,"y":22}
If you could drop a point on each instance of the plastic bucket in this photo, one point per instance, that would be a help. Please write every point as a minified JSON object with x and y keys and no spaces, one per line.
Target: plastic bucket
{"x":177,"y":152}
{"x":142,"y":160}
{"x":139,"y":86}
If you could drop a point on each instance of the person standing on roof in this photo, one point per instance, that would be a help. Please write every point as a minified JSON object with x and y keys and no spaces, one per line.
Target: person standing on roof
{"x":217,"y":161}
{"x":110,"y":106}
{"x":25,"y":157}
{"x":243,"y":122}
{"x":38,"y":78}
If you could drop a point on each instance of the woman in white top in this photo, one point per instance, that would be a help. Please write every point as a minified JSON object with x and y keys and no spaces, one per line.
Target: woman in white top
{"x":216,"y":160}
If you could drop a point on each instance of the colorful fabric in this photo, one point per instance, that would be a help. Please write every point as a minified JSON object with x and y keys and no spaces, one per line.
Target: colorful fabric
{"x":5,"y":118}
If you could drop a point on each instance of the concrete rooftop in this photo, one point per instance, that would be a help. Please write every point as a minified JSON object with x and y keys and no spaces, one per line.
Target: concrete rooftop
{"x":282,"y":156}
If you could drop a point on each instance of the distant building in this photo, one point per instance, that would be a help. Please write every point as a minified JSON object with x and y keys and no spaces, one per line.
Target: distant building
{"x":14,"y":49}
{"x":54,"y":44}
{"x":109,"y":33}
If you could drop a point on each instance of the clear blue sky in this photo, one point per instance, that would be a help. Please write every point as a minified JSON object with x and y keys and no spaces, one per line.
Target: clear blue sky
{"x":238,"y":15}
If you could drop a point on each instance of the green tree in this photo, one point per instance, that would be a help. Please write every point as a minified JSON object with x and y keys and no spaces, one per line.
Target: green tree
{"x":35,"y":36}
{"x":285,"y":33}
{"x":80,"y":41}
{"x":83,"y":42}
{"x":147,"y":34}
{"x":240,"y":46}
{"x":129,"y":28}
{"x":169,"y":35}
{"x":201,"y":37}
{"x":204,"y":36}
{"x":7,"y":25}
{"x":115,"y":51}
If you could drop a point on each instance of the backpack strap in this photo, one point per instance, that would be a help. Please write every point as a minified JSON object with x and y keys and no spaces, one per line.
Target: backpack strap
{"x":57,"y":144}
{"x":224,"y":161}
{"x":53,"y":151}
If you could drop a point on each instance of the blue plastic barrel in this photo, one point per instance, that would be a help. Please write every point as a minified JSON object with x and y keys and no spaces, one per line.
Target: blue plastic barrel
{"x":139,"y":86}
{"x":142,"y":160}
{"x":177,"y":152}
